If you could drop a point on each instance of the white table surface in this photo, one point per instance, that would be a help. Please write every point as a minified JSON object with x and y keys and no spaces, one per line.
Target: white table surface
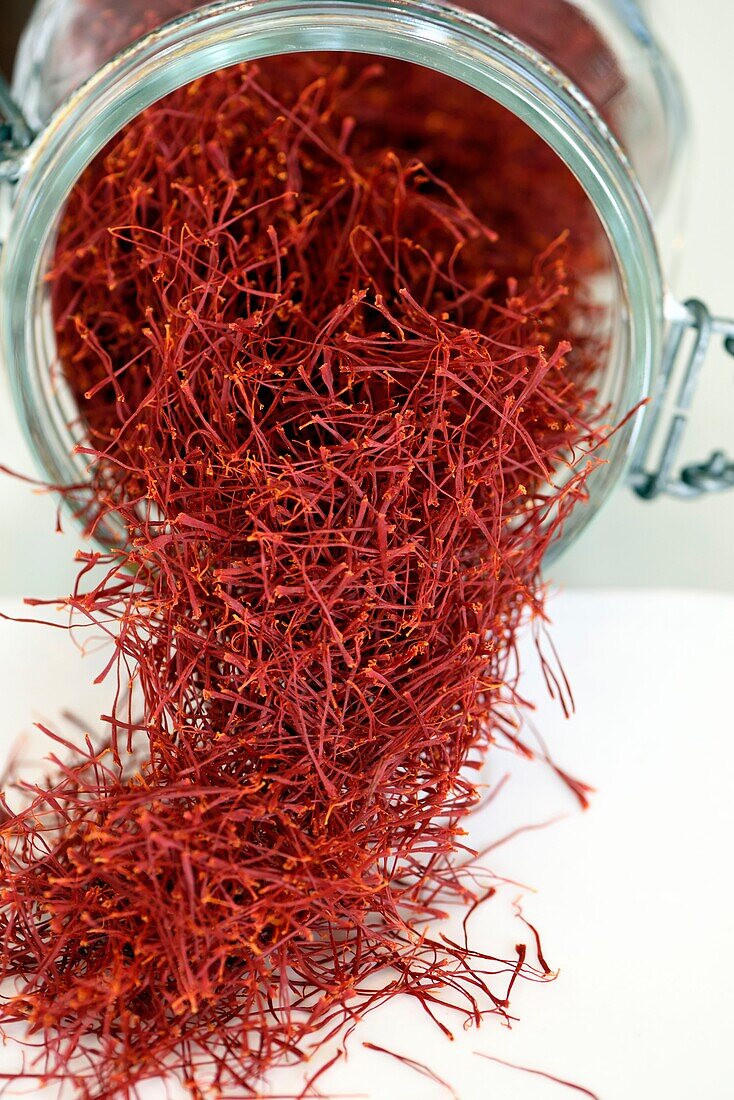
{"x":634,"y":898}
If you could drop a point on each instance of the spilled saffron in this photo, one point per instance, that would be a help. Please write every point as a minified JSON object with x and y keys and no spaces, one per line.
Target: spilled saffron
{"x":336,"y":382}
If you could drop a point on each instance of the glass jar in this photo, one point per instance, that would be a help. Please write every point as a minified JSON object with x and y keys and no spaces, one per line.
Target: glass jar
{"x":585,"y":75}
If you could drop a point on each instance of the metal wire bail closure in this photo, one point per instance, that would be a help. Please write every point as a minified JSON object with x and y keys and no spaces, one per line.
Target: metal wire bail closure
{"x":717,"y":473}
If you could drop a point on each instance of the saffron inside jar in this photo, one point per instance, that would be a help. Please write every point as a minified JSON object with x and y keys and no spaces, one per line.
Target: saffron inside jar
{"x":331,"y":328}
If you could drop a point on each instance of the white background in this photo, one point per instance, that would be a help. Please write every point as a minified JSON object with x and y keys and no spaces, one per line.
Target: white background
{"x":672,"y":542}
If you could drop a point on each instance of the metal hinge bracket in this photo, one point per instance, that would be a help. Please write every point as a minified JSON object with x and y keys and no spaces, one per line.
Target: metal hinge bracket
{"x":713,"y":475}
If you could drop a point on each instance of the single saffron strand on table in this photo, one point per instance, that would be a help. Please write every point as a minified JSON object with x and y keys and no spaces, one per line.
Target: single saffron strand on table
{"x":539,"y":1073}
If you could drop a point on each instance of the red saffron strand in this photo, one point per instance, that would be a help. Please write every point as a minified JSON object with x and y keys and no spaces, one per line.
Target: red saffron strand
{"x":539,"y":1073}
{"x":418,"y":1067}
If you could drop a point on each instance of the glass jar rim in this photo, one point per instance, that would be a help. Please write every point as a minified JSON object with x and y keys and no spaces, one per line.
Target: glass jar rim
{"x":436,"y":35}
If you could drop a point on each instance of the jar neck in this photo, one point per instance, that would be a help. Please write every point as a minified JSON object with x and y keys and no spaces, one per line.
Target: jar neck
{"x":452,"y":42}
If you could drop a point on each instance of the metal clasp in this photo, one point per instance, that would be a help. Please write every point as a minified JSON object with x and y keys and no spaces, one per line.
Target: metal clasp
{"x":717,"y":473}
{"x":15,"y":134}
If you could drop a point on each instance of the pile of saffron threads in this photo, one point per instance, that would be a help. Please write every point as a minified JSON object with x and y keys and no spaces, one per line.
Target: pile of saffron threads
{"x":339,"y":431}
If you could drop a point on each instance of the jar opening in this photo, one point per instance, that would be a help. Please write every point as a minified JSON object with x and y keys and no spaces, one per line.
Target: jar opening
{"x":464,"y":75}
{"x":513,"y":231}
